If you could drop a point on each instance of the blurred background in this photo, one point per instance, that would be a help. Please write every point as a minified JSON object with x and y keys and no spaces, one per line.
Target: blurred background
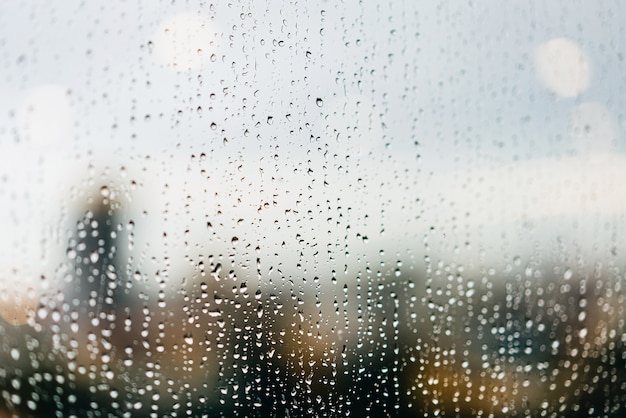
{"x":312,"y":209}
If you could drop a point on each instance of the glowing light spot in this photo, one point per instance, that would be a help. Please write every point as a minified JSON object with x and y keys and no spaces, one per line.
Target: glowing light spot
{"x":185,"y":41}
{"x":563,"y":67}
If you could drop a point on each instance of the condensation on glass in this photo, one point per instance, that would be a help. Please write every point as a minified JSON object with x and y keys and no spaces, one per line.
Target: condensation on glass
{"x":298,"y":209}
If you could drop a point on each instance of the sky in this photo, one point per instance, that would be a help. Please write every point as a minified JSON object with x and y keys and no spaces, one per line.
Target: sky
{"x":320,"y":133}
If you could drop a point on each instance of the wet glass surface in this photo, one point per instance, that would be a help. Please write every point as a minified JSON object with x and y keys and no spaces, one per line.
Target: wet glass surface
{"x":312,"y":209}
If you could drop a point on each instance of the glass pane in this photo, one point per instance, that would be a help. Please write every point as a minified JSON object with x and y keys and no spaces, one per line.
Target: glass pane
{"x":312,"y":209}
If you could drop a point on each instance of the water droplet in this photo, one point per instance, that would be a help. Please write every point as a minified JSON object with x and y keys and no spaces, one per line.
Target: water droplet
{"x":105,"y":191}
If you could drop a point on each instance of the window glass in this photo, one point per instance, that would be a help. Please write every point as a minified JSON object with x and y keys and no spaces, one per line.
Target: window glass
{"x":312,"y":208}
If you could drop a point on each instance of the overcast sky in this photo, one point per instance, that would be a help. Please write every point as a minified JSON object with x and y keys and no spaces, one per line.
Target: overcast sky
{"x":454,"y":117}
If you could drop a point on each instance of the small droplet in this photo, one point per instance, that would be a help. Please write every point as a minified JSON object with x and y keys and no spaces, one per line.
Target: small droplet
{"x":105,"y":191}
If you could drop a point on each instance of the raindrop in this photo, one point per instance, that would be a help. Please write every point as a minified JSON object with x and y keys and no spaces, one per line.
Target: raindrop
{"x":105,"y":191}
